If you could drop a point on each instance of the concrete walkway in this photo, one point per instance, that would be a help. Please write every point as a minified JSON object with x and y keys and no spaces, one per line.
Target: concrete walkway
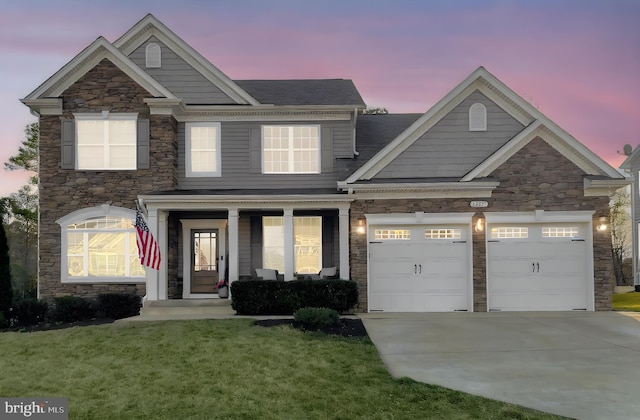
{"x":582,"y":365}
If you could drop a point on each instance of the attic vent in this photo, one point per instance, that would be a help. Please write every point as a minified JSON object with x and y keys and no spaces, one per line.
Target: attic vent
{"x":477,"y":117}
{"x":153,"y":56}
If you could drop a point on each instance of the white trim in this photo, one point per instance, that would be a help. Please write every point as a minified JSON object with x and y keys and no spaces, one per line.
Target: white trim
{"x":604,"y":187}
{"x":418,"y":219}
{"x":539,"y":216}
{"x":584,"y":217}
{"x":290,"y":149}
{"x":150,"y":26}
{"x":187,"y":225}
{"x":88,"y":59}
{"x":478,"y":117}
{"x":517,"y":107}
{"x":103,"y":210}
{"x":153,"y":56}
{"x":218,"y":150}
{"x":421,"y":190}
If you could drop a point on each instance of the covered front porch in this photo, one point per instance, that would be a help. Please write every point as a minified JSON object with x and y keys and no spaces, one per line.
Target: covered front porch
{"x":207,"y":238}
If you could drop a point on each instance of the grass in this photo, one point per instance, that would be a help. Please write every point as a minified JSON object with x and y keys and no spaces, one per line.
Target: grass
{"x":207,"y":369}
{"x":626,"y":302}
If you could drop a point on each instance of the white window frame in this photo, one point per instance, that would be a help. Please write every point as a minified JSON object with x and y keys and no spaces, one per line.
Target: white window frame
{"x":477,"y":117}
{"x":153,"y":56}
{"x":189,"y":172}
{"x":291,"y":150}
{"x":106,"y":116}
{"x":83,"y":215}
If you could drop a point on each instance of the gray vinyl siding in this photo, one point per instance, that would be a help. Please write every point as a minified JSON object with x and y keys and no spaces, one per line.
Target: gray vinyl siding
{"x":180,"y":78}
{"x":237,"y":164}
{"x":449,"y":149}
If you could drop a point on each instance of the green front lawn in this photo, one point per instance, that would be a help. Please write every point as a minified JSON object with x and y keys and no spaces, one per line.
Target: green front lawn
{"x":626,"y":302}
{"x":227,"y":369}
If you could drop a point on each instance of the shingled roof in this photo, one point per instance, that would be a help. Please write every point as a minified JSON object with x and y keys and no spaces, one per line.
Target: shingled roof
{"x":303,"y":92}
{"x":373,"y":132}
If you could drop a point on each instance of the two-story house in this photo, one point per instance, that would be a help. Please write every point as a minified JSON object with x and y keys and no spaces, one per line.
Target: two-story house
{"x":482,"y":203}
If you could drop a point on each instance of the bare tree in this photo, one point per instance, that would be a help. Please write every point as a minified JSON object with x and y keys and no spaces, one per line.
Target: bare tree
{"x":620,"y":222}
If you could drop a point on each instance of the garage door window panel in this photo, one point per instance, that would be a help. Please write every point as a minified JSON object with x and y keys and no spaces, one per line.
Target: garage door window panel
{"x":443,"y":233}
{"x":560,"y":232}
{"x":509,"y":232}
{"x":392,"y":234}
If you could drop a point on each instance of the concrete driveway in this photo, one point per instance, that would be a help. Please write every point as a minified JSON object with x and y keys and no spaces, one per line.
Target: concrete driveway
{"x":583,"y":365}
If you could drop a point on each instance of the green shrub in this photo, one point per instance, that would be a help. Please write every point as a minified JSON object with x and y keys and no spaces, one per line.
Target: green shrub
{"x":72,"y":308}
{"x":118,"y":305}
{"x":259,"y":297}
{"x":30,"y":311}
{"x":317,"y":317}
{"x":3,"y":321}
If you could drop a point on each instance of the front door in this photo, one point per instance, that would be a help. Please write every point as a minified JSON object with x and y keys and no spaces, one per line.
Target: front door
{"x":204,"y":260}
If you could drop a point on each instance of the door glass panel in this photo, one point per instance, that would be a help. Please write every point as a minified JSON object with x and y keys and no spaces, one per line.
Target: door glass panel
{"x":509,"y":232}
{"x":204,"y":250}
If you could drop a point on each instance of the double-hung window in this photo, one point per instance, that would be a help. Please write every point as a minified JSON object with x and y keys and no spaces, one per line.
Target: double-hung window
{"x":202,"y":149}
{"x":106,"y":141}
{"x":291,"y":149}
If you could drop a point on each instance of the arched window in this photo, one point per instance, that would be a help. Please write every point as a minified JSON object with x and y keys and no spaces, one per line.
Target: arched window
{"x":477,"y":117}
{"x":153,"y":56}
{"x":98,"y":244}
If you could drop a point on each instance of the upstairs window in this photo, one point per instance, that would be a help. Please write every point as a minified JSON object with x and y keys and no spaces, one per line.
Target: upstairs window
{"x":203,"y":149}
{"x":291,"y":149}
{"x":106,"y":141}
{"x":153,"y":56}
{"x":477,"y":117}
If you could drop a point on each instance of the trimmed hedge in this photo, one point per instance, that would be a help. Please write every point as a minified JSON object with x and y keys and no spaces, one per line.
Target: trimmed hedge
{"x":72,"y":308}
{"x":118,"y":305}
{"x":30,"y":311}
{"x":317,"y":317}
{"x":260,"y":297}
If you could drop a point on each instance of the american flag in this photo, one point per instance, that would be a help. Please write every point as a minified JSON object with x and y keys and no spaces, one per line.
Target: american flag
{"x":148,"y":250}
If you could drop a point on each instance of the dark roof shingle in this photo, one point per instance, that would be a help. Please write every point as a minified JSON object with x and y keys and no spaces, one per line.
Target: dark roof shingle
{"x":303,"y":92}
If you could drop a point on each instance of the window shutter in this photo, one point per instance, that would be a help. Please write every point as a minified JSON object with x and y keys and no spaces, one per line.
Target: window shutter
{"x":326,"y":142}
{"x":143,"y":144}
{"x":255,"y":150}
{"x":68,"y":144}
{"x":256,"y":241}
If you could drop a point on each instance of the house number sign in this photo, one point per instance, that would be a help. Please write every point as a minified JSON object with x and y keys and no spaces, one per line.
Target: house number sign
{"x":476,"y":204}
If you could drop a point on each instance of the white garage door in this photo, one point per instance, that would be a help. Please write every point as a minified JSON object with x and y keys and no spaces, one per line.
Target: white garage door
{"x":537,"y":267}
{"x":419,"y":269}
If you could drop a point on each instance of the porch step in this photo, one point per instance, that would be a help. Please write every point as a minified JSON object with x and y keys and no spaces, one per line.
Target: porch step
{"x":185,"y":309}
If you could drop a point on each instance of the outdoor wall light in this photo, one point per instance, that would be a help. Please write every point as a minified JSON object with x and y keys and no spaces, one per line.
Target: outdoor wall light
{"x":603,"y":224}
{"x":361,"y":229}
{"x":479,"y":225}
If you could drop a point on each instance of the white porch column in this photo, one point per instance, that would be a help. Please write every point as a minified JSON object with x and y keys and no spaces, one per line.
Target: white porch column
{"x":163,"y":244}
{"x":343,"y":232}
{"x":289,"y":240}
{"x":233,"y":260}
{"x":153,"y":275}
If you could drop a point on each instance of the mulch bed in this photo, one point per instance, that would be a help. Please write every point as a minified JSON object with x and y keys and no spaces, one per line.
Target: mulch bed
{"x":346,"y":328}
{"x":46,"y":326}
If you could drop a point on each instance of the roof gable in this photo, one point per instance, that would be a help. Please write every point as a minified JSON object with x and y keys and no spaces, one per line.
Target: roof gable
{"x":149,"y":26}
{"x":522,"y":111}
{"x":87,"y":59}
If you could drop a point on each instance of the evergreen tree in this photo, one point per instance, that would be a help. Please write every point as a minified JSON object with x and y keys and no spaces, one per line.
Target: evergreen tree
{"x":6,"y":292}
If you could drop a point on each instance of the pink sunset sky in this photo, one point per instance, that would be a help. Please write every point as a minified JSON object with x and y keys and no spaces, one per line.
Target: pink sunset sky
{"x":578,"y":61}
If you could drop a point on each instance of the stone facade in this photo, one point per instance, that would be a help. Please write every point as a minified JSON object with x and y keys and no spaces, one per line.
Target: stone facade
{"x":537,"y":177}
{"x":62,"y":191}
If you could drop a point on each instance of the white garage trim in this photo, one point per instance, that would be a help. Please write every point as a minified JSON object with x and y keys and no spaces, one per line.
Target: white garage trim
{"x":445,"y":223}
{"x":535,"y":221}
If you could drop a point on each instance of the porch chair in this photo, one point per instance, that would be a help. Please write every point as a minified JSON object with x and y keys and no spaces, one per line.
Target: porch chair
{"x":267,"y":274}
{"x":325,"y":273}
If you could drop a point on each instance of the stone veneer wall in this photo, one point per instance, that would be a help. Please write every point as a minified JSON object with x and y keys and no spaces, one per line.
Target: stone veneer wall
{"x":537,"y":177}
{"x":62,"y":191}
